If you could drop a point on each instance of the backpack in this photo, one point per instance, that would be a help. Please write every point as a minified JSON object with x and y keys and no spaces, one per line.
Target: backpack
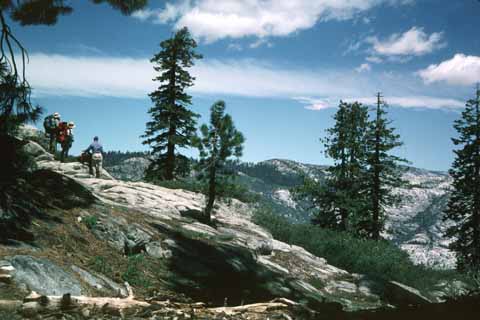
{"x":50,"y":124}
{"x":68,"y":140}
{"x":62,"y":132}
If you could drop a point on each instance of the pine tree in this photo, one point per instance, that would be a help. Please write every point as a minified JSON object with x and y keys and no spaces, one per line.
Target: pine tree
{"x":464,"y":204}
{"x":339,"y":201}
{"x":172,"y":124}
{"x":219,"y":142}
{"x":383,"y":171}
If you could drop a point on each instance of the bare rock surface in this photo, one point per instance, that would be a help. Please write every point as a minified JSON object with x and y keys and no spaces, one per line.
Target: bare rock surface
{"x":233,"y":261}
{"x":43,"y":276}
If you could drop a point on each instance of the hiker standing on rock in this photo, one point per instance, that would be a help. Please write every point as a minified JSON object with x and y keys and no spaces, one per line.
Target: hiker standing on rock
{"x":96,"y":150}
{"x":51,"y":124}
{"x":65,"y":138}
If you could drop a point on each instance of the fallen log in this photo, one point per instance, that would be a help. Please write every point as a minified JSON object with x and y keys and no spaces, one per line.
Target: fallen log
{"x":10,"y":305}
{"x":35,"y":304}
{"x":277,"y":304}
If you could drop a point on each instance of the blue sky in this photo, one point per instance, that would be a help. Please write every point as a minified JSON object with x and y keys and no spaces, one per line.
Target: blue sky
{"x":281,"y":67}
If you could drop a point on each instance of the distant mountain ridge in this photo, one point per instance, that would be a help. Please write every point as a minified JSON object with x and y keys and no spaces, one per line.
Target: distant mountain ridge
{"x":415,"y":225}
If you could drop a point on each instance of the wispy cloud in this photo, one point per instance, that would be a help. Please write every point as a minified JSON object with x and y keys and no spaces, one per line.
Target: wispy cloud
{"x":315,"y":104}
{"x":414,"y":102}
{"x":374,"y":59}
{"x":414,"y":42}
{"x":459,"y":70}
{"x":425,"y":102}
{"x":260,"y":42}
{"x":212,"y":20}
{"x":58,"y":75}
{"x":235,"y":47}
{"x":128,"y":77}
{"x":364,"y":67}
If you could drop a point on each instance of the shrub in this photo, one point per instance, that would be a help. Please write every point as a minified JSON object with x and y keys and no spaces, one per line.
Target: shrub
{"x":378,"y":259}
{"x":100,"y":264}
{"x":135,"y":274}
{"x":90,"y":221}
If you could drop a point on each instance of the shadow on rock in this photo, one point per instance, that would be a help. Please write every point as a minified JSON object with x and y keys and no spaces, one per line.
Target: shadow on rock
{"x":31,"y":198}
{"x":224,"y":274}
{"x":461,"y":308}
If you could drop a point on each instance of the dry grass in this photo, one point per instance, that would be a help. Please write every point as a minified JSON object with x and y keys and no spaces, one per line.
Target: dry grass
{"x":70,"y":242}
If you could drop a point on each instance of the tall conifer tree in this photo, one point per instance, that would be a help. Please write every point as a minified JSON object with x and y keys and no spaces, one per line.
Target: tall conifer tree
{"x":172,"y":124}
{"x":340,"y":200}
{"x":219,"y":142}
{"x":464,"y":203}
{"x":383,"y":171}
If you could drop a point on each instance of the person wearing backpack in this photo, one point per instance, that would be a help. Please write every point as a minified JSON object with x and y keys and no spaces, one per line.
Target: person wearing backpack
{"x":65,"y":137}
{"x":96,"y":149}
{"x":51,"y":124}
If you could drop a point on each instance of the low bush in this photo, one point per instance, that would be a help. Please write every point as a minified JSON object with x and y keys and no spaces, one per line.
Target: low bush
{"x":378,"y":259}
{"x":90,"y":221}
{"x":135,"y":273}
{"x":101,"y":265}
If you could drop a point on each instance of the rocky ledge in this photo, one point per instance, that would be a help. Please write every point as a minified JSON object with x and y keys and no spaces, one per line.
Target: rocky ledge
{"x":150,"y":236}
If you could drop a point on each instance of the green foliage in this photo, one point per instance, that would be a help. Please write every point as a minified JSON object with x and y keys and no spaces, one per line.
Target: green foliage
{"x":135,"y":273}
{"x":15,"y":105}
{"x":46,"y":12}
{"x":220,"y":141}
{"x":270,"y":174}
{"x":378,"y":259}
{"x":339,"y":202}
{"x":464,"y":204}
{"x":172,"y":125}
{"x":101,"y":265}
{"x":15,"y":110}
{"x":90,"y":221}
{"x":360,"y":183}
{"x":383,"y":173}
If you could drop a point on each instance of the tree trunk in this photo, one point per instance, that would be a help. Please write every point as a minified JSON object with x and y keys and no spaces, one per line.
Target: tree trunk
{"x":376,"y":178}
{"x":172,"y":131}
{"x":476,"y":197}
{"x":170,"y":162}
{"x":211,"y":194}
{"x":212,"y":187}
{"x":36,"y":304}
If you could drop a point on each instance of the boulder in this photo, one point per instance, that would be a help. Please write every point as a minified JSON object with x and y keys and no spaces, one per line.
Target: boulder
{"x":157,"y":250}
{"x":37,"y":151}
{"x":100,"y":283}
{"x":43,"y":276}
{"x":132,"y":169}
{"x":399,"y":295}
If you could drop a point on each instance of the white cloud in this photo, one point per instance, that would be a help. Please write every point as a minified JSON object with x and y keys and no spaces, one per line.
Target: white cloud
{"x":374,"y":59}
{"x":128,"y":77}
{"x":59,"y":75}
{"x":459,"y":70}
{"x":315,"y":104}
{"x":414,"y":102}
{"x":235,"y":47}
{"x":260,"y":42}
{"x":364,"y":67}
{"x":211,"y":20}
{"x":414,"y":42}
{"x":89,"y":76}
{"x":169,"y":13}
{"x":403,"y":102}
